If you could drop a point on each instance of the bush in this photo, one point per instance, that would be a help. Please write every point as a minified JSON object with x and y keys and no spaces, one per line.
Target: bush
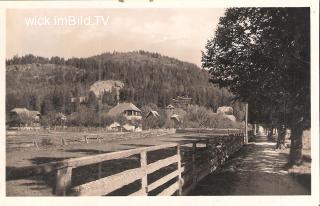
{"x":201,"y":117}
{"x":84,"y":117}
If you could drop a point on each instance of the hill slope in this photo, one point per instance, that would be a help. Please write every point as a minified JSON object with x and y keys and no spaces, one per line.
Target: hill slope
{"x":48,"y":84}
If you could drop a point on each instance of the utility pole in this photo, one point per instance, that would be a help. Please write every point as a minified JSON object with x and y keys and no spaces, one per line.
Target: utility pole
{"x":246,"y":125}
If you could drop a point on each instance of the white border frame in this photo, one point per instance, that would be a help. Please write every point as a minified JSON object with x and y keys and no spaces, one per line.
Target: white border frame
{"x":195,"y":200}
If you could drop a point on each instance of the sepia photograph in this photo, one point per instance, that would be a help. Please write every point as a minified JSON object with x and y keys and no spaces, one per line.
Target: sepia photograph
{"x":158,"y":102}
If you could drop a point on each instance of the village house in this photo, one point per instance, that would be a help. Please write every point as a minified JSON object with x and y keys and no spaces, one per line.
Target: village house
{"x":226,"y":112}
{"x":181,"y":102}
{"x":169,"y":110}
{"x":170,"y":107}
{"x":129,"y":110}
{"x":24,"y":118}
{"x":152,"y":113}
{"x":80,"y":99}
{"x":131,"y":113}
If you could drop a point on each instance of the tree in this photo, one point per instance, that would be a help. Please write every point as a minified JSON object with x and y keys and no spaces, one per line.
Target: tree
{"x":92,"y":101}
{"x":262,"y":55}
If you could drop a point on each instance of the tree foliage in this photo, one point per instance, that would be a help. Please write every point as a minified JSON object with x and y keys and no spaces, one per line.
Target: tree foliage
{"x":148,"y":77}
{"x":262,"y":55}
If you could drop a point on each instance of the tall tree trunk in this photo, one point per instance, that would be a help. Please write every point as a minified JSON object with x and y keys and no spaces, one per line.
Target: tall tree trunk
{"x":295,"y":156}
{"x":270,"y":133}
{"x":281,"y":137}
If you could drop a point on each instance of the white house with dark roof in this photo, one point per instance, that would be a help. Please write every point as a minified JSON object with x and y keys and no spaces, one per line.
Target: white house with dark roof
{"x":129,"y":110}
{"x":131,"y":113}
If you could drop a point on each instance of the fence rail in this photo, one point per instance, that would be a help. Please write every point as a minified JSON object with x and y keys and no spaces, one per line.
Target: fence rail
{"x":212,"y":131}
{"x":185,"y":177}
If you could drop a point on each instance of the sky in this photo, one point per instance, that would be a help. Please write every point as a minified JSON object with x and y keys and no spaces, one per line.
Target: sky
{"x":179,"y":33}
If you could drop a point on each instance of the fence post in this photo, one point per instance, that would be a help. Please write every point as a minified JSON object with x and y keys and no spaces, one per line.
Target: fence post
{"x":63,"y":181}
{"x":246,"y":125}
{"x":63,"y":142}
{"x":35,"y":143}
{"x":194,"y":150}
{"x":179,"y":170}
{"x":144,"y":179}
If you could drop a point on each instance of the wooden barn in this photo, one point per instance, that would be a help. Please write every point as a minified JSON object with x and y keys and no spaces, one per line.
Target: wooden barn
{"x":24,"y":118}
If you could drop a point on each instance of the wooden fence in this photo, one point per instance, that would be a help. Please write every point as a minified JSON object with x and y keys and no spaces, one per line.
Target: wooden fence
{"x":186,"y":174}
{"x":212,"y":131}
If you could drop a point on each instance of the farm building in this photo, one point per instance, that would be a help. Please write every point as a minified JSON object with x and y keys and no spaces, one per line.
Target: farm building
{"x":226,"y":112}
{"x":177,"y":120}
{"x":80,"y":99}
{"x":169,"y":107}
{"x":129,"y":110}
{"x":131,"y":113}
{"x":169,"y":110}
{"x":132,"y":128}
{"x":22,"y":117}
{"x":152,"y":114}
{"x":230,"y":117}
{"x":115,"y":126}
{"x":182,"y":102}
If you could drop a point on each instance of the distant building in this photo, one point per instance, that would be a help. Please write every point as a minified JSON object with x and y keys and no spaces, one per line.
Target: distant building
{"x":115,"y":126}
{"x":169,"y":107}
{"x":129,"y":110}
{"x":131,"y":113}
{"x":169,"y":110}
{"x":131,"y":128}
{"x":153,"y":113}
{"x":177,"y":120}
{"x":181,"y":102}
{"x":80,"y":99}
{"x":225,"y":110}
{"x":22,"y":117}
{"x":230,"y":117}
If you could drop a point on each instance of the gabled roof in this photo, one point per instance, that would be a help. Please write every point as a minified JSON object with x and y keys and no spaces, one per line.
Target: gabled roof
{"x":175,"y":117}
{"x":231,"y":117}
{"x":182,"y":98}
{"x":25,"y":111}
{"x":153,"y":113}
{"x":120,"y":108}
{"x":170,"y":106}
{"x":34,"y":113}
{"x":19,"y":110}
{"x":225,"y":110}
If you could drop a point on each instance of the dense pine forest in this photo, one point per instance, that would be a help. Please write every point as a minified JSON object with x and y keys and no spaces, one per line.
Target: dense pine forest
{"x":48,"y":84}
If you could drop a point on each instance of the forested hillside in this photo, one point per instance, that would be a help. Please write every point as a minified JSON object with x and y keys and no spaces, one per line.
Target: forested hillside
{"x":47,"y":85}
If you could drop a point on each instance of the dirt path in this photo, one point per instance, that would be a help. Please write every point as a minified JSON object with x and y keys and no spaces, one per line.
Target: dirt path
{"x":257,"y":169}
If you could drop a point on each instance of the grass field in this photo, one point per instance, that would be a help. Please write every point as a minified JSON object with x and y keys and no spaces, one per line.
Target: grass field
{"x":75,"y":146}
{"x":25,"y":148}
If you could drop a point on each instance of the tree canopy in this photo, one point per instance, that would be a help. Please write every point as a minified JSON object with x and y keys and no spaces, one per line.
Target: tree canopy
{"x":262,"y":55}
{"x":148,"y":78}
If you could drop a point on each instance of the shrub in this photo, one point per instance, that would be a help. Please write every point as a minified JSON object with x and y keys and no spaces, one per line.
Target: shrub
{"x":201,"y":117}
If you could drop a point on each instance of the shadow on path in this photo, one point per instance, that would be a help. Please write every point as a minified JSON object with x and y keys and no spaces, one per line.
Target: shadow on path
{"x":256,"y":169}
